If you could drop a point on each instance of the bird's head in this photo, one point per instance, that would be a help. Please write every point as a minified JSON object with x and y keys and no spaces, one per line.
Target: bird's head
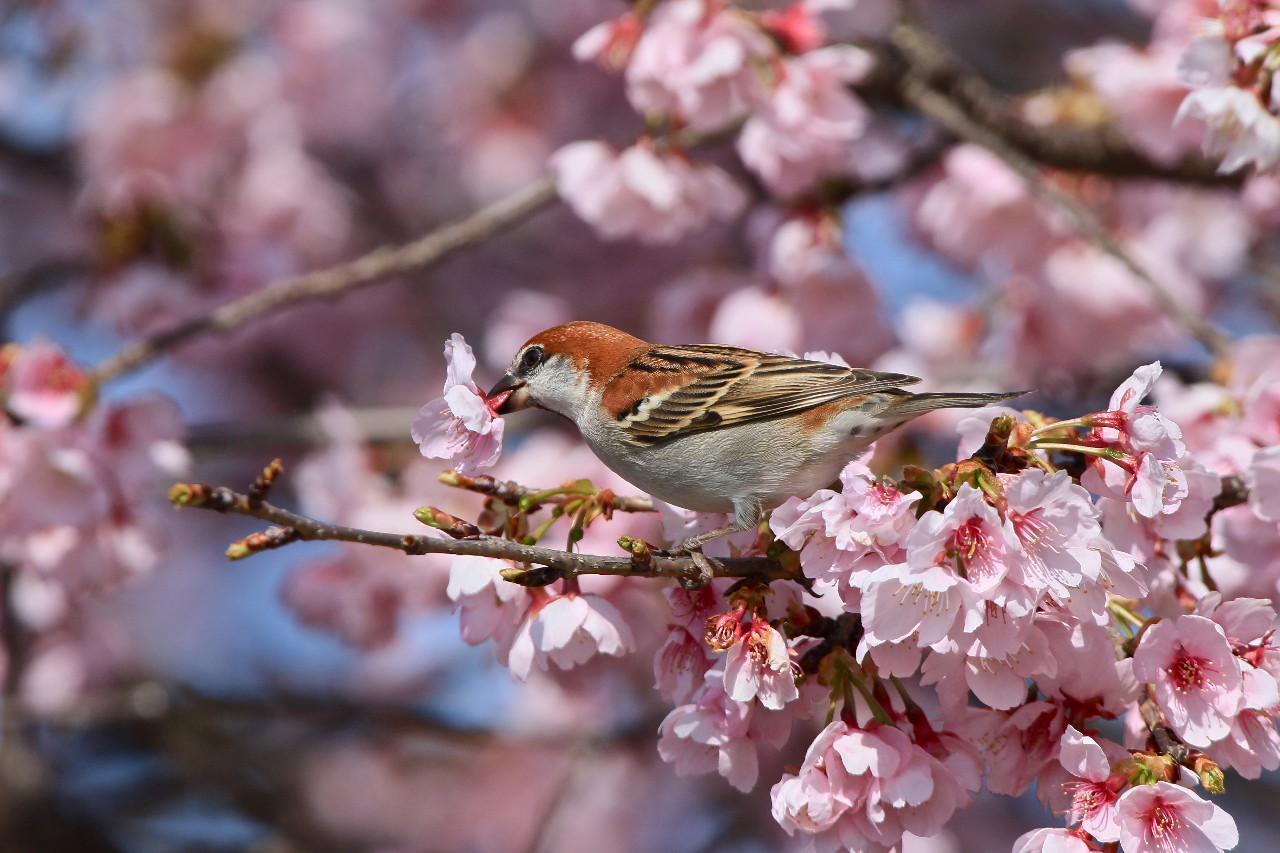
{"x":565,"y":368}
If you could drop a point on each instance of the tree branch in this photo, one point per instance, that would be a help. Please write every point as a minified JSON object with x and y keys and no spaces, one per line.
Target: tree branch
{"x":939,"y":107}
{"x":293,"y":527}
{"x":1103,"y":149}
{"x":328,"y":283}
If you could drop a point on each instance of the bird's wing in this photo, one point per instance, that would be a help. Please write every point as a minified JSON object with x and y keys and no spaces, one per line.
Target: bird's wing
{"x":672,"y":391}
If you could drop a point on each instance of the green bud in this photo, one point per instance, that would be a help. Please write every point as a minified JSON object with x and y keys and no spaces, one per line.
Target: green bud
{"x":1210,"y":775}
{"x":239,"y":550}
{"x":541,"y":576}
{"x":184,"y":494}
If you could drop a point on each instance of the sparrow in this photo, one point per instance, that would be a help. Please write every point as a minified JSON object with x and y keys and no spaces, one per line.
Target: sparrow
{"x":713,"y":428}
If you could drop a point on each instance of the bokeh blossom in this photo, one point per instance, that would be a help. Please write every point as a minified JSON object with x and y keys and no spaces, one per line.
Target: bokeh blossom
{"x":641,"y":193}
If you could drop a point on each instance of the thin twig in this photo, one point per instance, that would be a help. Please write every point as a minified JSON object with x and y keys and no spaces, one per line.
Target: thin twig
{"x":512,"y":492}
{"x":375,"y":424}
{"x":567,"y":564}
{"x":941,"y":109}
{"x":23,"y":771}
{"x":335,"y":281}
{"x":1166,"y":742}
{"x":571,"y":776}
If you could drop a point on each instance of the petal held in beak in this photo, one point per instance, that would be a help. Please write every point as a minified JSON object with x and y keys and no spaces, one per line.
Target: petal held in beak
{"x":509,"y":394}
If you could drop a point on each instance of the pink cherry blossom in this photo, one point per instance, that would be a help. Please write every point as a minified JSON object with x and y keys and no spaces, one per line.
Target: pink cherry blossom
{"x":74,"y":499}
{"x":1249,"y":624}
{"x":798,"y":519}
{"x":1253,"y":744}
{"x":461,"y":426}
{"x":225,"y":156}
{"x":808,"y":246}
{"x":137,"y":441}
{"x":1124,"y":410}
{"x":900,"y":602}
{"x":41,"y":385}
{"x":640,"y":193}
{"x":490,"y":607}
{"x":1094,"y":796}
{"x":611,"y":43}
{"x":1090,"y":672}
{"x":875,"y":513}
{"x":1263,"y":480}
{"x":1162,"y":818}
{"x":799,"y":27}
{"x":1245,"y":621}
{"x":1154,"y":475}
{"x":881,"y":786}
{"x":680,"y":664}
{"x":567,"y":631}
{"x":956,"y":565}
{"x":758,"y":318}
{"x":343,"y":596}
{"x":1197,"y":679}
{"x":691,"y":608}
{"x":1142,"y":86}
{"x":1051,"y":840}
{"x":147,"y":140}
{"x":1055,"y":523}
{"x":803,"y":131}
{"x":994,"y":663}
{"x":1250,"y":552}
{"x":968,"y":536}
{"x":699,"y":61}
{"x":1233,"y":95}
{"x":714,"y":732}
{"x":1017,"y":745}
{"x":974,"y":198}
{"x":1241,"y":130}
{"x":807,"y":801}
{"x":845,"y":536}
{"x":758,"y":666}
{"x":282,"y":195}
{"x":725,"y":630}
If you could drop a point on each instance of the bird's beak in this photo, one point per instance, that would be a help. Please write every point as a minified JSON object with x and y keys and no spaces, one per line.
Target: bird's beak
{"x":516,"y":395}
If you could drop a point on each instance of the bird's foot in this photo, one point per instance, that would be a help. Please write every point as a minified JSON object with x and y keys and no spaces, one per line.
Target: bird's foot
{"x":704,"y":567}
{"x":642,"y":554}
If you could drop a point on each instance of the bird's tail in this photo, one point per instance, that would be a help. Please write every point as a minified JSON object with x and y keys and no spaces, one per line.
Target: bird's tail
{"x":918,"y":404}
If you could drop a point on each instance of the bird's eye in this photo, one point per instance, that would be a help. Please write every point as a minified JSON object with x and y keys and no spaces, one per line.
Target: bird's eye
{"x":532,"y":358}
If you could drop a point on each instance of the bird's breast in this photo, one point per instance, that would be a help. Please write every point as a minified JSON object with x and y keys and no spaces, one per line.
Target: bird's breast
{"x":707,"y":471}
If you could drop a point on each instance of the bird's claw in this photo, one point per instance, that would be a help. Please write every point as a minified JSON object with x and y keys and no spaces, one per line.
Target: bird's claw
{"x":703,"y":569}
{"x":642,"y":554}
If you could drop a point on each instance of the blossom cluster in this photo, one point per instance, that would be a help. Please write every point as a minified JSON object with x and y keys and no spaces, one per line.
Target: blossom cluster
{"x":1230,"y":65}
{"x":1026,"y":599}
{"x":707,"y":66}
{"x":783,"y":84}
{"x":75,"y":521}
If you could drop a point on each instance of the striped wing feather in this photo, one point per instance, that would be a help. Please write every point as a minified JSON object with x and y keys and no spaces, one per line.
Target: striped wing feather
{"x":734,"y":386}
